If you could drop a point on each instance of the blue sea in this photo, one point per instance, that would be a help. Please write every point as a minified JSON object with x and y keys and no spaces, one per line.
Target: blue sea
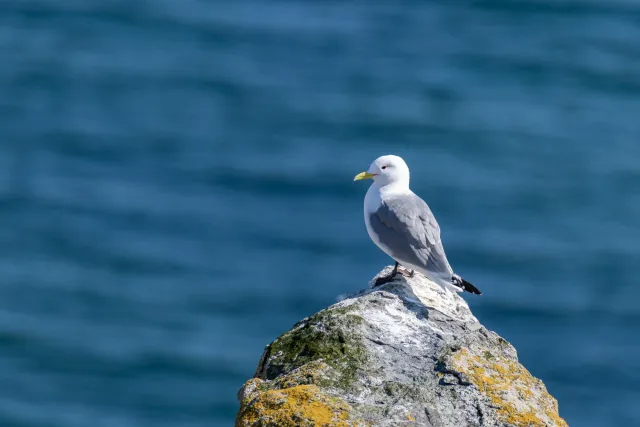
{"x":176,"y":189}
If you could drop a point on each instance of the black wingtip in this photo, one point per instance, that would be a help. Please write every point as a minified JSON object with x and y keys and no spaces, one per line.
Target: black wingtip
{"x":466,"y":286}
{"x":470,"y":288}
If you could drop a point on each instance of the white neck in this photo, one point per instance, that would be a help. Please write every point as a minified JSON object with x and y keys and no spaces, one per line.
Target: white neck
{"x":377,"y":193}
{"x":399,"y":186}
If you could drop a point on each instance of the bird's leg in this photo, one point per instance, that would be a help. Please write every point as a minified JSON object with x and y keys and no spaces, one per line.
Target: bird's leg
{"x":386,"y":279}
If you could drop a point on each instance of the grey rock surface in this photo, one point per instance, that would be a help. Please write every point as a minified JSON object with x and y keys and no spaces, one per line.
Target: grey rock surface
{"x":405,"y":354}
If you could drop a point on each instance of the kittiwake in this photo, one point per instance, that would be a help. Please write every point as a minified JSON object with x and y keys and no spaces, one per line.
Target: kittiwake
{"x":402,"y":225}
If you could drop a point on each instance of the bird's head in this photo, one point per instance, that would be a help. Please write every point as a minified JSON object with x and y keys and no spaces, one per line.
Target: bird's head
{"x":386,"y":170}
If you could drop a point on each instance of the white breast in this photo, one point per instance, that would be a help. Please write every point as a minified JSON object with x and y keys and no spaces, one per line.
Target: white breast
{"x":372,"y":202}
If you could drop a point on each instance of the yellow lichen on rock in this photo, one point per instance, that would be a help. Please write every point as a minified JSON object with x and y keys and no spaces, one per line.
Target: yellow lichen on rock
{"x":298,"y":406}
{"x":520,"y":398}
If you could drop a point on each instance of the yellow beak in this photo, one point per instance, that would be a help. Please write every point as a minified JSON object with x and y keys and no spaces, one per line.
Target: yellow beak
{"x":364,"y":175}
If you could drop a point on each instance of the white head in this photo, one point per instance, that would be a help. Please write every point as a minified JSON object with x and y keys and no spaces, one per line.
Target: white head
{"x":387,"y":170}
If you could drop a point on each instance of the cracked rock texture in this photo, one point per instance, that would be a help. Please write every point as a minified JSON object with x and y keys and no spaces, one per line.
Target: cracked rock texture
{"x":404,"y":354}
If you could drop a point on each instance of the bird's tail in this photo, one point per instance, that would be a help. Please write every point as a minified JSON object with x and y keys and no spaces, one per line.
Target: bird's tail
{"x":464,"y":285}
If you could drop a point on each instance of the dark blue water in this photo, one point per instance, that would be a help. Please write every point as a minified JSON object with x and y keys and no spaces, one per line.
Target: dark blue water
{"x":176,"y":189}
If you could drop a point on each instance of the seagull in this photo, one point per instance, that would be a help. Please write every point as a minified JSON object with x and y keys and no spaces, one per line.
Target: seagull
{"x":402,"y":225}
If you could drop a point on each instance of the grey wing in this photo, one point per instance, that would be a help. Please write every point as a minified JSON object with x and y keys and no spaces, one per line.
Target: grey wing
{"x":406,"y":225}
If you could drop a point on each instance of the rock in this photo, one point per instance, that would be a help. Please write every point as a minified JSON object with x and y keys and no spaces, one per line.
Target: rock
{"x":404,"y":354}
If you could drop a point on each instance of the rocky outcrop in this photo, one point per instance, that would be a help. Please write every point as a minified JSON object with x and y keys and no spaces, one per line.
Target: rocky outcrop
{"x":403,"y":354}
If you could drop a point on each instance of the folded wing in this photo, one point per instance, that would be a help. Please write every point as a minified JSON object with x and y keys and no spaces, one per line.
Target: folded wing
{"x":406,"y":225}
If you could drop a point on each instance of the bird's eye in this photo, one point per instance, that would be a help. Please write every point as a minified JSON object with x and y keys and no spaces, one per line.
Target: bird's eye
{"x":384,"y":167}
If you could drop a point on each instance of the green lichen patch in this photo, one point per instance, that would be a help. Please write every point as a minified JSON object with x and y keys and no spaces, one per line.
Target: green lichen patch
{"x":488,"y":355}
{"x":331,"y":336}
{"x":402,"y":391}
{"x":316,"y":372}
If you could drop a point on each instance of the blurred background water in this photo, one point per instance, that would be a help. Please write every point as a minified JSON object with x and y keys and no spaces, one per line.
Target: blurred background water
{"x":176,"y":189}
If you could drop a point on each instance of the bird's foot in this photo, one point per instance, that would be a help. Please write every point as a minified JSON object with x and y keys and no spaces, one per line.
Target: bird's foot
{"x":391,"y":276}
{"x":383,"y":280}
{"x":408,"y":273}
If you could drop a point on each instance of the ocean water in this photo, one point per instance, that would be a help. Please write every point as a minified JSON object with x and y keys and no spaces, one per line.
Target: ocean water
{"x":176,"y":189}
